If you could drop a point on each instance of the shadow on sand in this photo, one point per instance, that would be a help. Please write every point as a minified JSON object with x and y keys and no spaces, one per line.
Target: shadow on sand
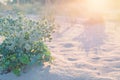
{"x":93,"y":35}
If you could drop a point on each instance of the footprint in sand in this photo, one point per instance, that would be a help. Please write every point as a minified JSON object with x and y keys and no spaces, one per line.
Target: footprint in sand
{"x":72,"y":59}
{"x":115,"y":65}
{"x":68,"y":45}
{"x":96,"y":58}
{"x":52,"y":46}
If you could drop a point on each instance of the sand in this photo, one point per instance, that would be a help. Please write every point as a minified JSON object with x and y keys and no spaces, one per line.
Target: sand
{"x":80,"y":54}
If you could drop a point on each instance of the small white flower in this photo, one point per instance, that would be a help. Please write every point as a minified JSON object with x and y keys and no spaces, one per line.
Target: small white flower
{"x":2,"y":38}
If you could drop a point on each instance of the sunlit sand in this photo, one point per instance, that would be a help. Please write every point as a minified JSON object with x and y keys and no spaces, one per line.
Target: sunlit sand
{"x":89,"y":49}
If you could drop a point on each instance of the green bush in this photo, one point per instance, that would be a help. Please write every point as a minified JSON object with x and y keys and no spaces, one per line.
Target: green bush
{"x":24,"y":42}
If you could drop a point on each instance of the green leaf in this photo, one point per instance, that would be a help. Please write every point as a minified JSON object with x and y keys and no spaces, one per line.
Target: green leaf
{"x":16,"y":71}
{"x":26,"y":36}
{"x":24,"y":59}
{"x":13,"y":57}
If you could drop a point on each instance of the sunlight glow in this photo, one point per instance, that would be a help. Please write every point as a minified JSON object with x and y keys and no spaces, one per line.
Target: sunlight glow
{"x":96,"y":5}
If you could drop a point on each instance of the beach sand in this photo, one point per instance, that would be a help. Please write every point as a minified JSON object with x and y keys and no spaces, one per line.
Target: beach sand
{"x":78,"y":57}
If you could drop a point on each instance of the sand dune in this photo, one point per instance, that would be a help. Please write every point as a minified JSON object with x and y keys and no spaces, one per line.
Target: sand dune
{"x":80,"y":54}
